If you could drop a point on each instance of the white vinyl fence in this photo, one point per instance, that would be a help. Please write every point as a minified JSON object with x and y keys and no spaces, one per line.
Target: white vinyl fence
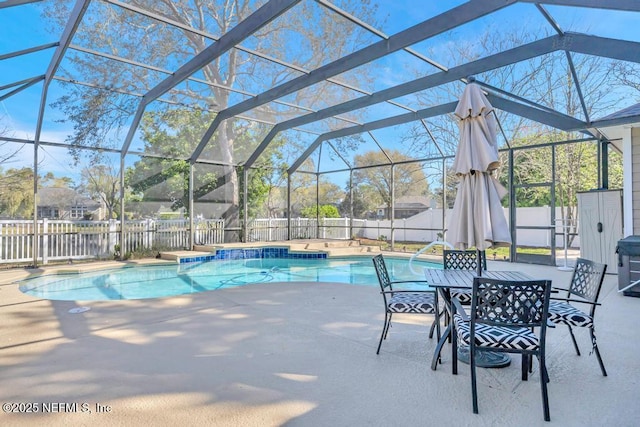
{"x":424,"y":227}
{"x":66,"y":240}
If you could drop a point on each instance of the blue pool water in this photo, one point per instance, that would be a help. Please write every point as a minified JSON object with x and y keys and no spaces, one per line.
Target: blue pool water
{"x":191,"y":277}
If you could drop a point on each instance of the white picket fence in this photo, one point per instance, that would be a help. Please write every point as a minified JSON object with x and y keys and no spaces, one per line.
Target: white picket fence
{"x":63,"y":239}
{"x":276,"y":229}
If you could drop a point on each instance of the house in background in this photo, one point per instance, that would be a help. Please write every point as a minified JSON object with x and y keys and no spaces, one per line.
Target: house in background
{"x":405,"y":207}
{"x":66,"y":203}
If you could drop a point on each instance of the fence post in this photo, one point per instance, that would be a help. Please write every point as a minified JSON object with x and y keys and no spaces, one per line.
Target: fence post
{"x":347,"y":235}
{"x":196,"y":232}
{"x":147,"y":233}
{"x":111,"y":242}
{"x":45,"y":241}
{"x":404,"y":228}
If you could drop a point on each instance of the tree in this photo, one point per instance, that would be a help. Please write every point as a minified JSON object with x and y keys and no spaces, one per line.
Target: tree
{"x":100,"y":114}
{"x":408,"y":179}
{"x":102,"y":182}
{"x":303,"y":193}
{"x":50,"y":180}
{"x":16,"y":192}
{"x":8,"y":150}
{"x":165,"y":177}
{"x":365,"y":200}
{"x":320,"y":211}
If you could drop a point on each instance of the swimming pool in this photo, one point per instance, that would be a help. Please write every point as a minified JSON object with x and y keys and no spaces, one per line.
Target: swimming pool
{"x":154,"y":281}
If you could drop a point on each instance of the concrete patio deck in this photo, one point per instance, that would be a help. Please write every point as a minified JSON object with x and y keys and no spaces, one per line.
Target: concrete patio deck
{"x":295,"y":354}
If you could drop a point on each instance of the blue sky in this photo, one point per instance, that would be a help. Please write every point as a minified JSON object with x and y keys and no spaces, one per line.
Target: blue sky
{"x":21,"y":28}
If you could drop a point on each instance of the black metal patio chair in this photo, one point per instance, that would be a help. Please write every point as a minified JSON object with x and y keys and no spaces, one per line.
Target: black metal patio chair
{"x":586,"y":283}
{"x":403,"y":300}
{"x":455,"y":259}
{"x":463,"y":260}
{"x":503,"y":318}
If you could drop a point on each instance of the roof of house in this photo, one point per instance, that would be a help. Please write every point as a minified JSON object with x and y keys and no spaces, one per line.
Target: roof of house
{"x":63,"y":197}
{"x":633,"y":110}
{"x":410,"y":202}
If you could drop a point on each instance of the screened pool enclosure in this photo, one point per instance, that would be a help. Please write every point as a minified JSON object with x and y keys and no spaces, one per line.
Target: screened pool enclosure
{"x":147,"y":125}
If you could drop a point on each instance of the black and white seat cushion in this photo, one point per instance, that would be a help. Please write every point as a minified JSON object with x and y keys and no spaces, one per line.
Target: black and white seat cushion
{"x":564,"y":313}
{"x":412,"y":302}
{"x":496,"y":336}
{"x":463,"y":295}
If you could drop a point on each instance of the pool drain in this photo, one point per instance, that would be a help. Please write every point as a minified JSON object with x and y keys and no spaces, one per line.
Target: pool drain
{"x":77,"y":310}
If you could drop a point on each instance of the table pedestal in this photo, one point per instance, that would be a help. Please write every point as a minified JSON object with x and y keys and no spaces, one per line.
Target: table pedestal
{"x":485,"y":358}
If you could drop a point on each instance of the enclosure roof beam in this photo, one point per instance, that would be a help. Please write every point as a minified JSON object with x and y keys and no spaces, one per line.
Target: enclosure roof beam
{"x":29,"y":50}
{"x":601,"y":46}
{"x":25,"y":84}
{"x":372,"y":136}
{"x":9,"y":3}
{"x":425,"y":113}
{"x":377,"y":124}
{"x":339,"y":155}
{"x":581,"y":43}
{"x":448,"y":20}
{"x":260,"y":18}
{"x":241,"y":48}
{"x":166,"y":101}
{"x":556,"y":120}
{"x":192,"y":79}
{"x":489,"y":88}
{"x":21,"y":82}
{"x":623,"y":5}
{"x":69,"y":31}
{"x":433,"y":139}
{"x":520,"y":53}
{"x":549,"y":19}
{"x":576,"y":80}
{"x":378,"y":33}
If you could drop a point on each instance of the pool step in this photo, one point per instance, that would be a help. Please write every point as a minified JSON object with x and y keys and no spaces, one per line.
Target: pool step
{"x":361,"y":250}
{"x":332,"y":244}
{"x":176,"y":255}
{"x":332,"y":248}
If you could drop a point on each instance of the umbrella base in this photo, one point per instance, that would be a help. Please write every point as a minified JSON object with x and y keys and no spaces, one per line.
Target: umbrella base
{"x":485,"y":358}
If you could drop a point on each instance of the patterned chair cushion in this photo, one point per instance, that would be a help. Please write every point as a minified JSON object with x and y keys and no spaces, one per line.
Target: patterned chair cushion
{"x":463,"y":295}
{"x":409,"y":302}
{"x":496,"y":336}
{"x":566,"y":314}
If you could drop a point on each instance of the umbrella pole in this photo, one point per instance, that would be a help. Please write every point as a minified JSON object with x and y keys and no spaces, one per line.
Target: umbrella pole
{"x":479,"y":254}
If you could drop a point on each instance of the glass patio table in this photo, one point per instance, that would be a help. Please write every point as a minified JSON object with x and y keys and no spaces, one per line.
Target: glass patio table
{"x":444,"y":281}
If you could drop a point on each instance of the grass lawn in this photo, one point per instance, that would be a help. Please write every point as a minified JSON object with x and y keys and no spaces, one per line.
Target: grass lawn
{"x":501,"y":253}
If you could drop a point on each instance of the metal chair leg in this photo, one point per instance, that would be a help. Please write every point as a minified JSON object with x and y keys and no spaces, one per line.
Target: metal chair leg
{"x":543,"y":385}
{"x":386,"y":331}
{"x":433,"y":327}
{"x":474,"y":390}
{"x":526,"y":363}
{"x":595,"y":348}
{"x":454,"y":351}
{"x":573,"y":337}
{"x":383,"y":335}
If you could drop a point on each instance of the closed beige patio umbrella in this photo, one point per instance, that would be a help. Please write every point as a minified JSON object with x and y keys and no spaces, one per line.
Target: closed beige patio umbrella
{"x":477,"y":219}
